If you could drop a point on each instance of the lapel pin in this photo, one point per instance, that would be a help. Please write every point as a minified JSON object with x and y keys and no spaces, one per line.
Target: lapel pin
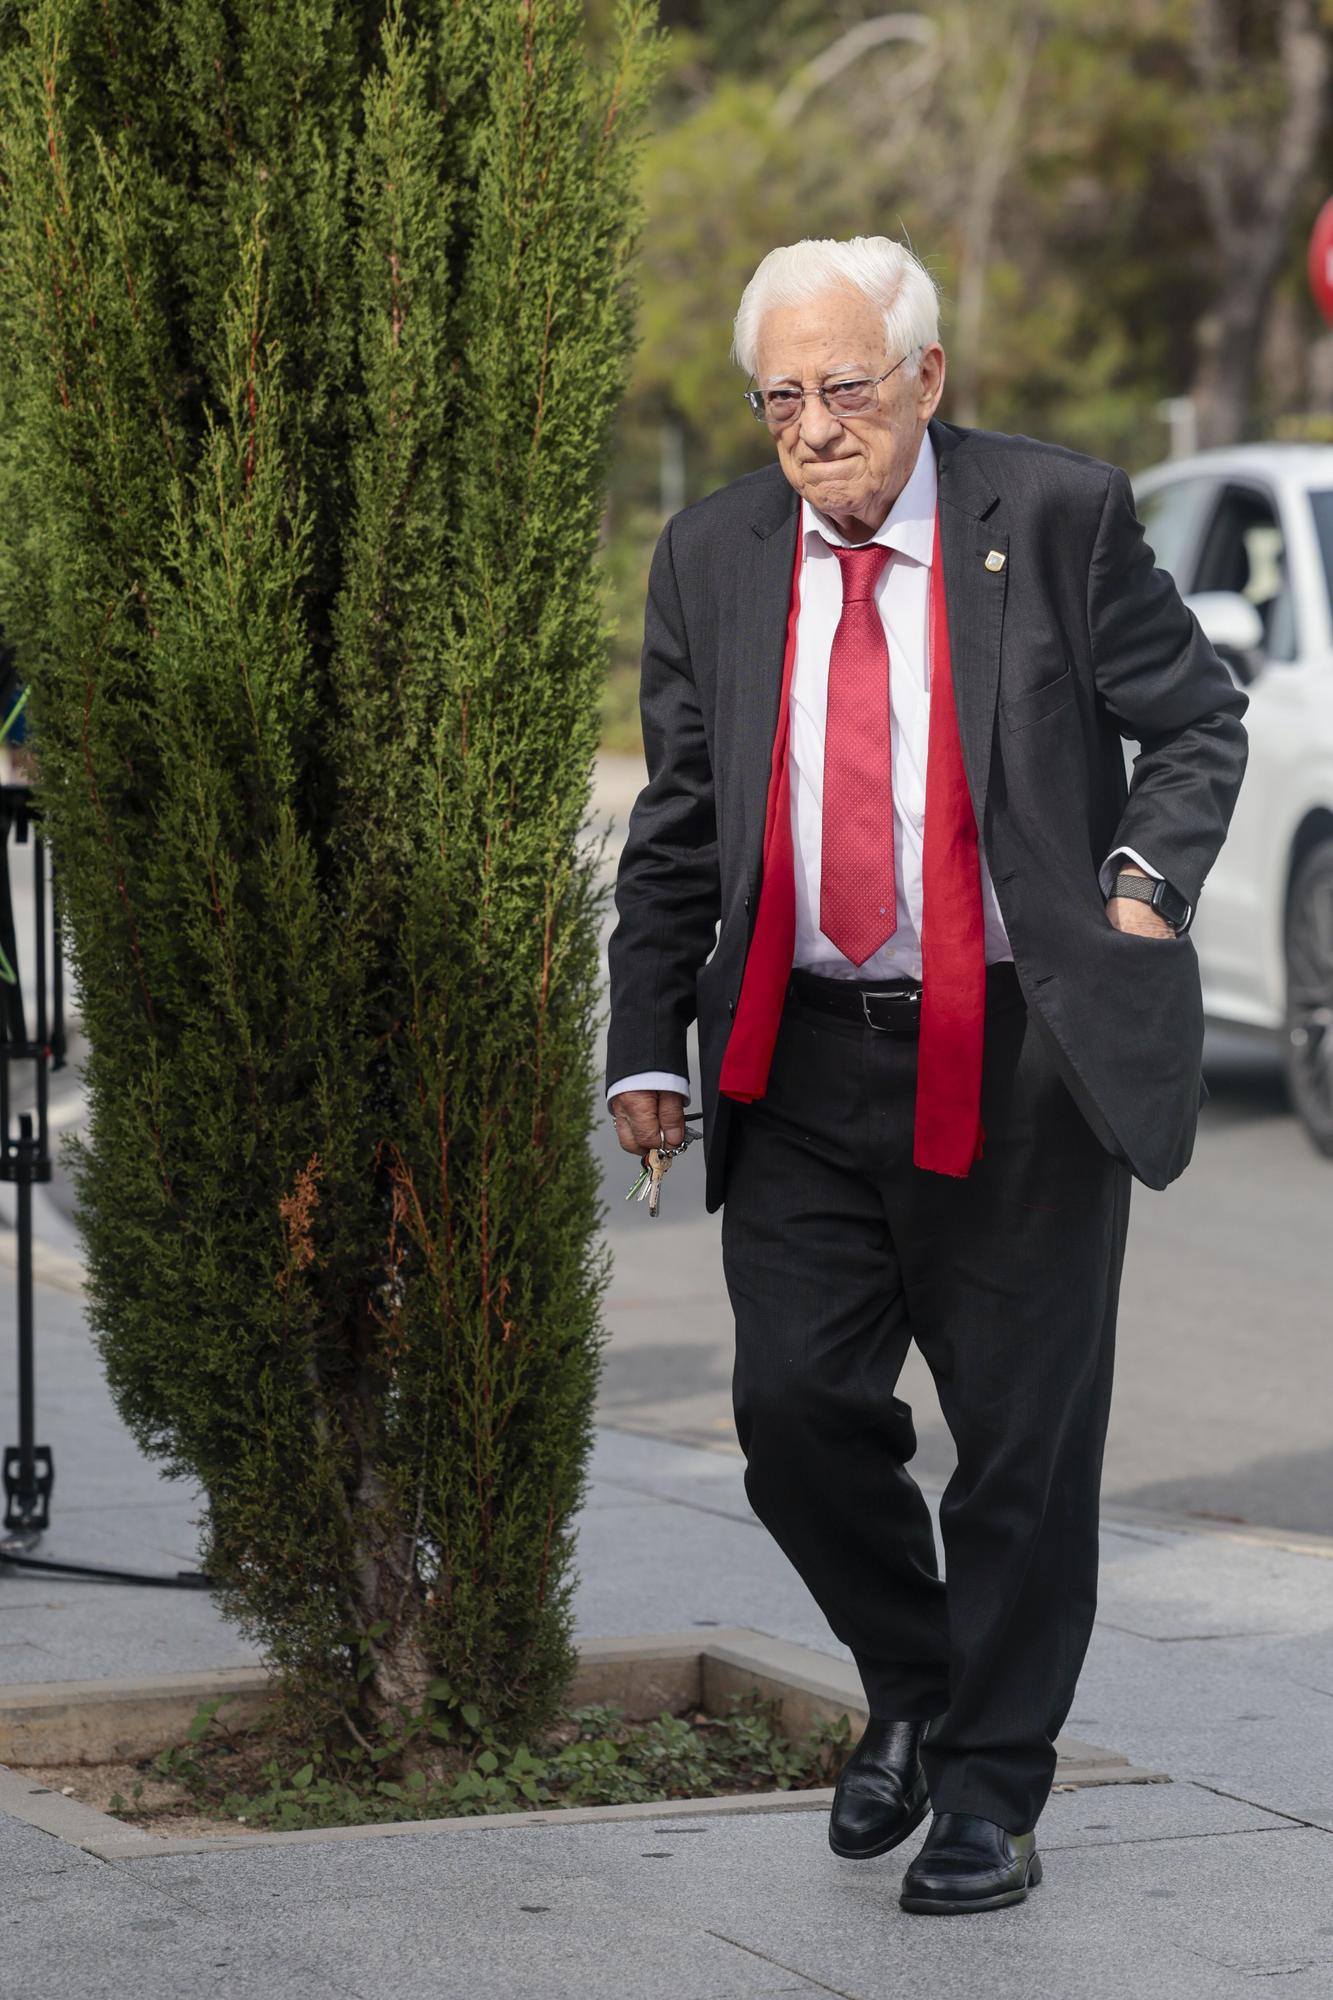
{"x":995,"y":560}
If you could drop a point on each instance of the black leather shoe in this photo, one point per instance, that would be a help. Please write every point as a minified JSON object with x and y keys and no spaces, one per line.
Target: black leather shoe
{"x":881,"y":1792}
{"x":969,"y":1863}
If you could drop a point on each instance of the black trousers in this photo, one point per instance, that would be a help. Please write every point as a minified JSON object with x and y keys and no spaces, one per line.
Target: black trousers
{"x":838,"y":1252}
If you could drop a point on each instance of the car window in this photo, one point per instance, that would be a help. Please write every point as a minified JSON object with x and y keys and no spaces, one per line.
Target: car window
{"x":1244,"y":551}
{"x":1170,"y":517}
{"x":1322,"y":506}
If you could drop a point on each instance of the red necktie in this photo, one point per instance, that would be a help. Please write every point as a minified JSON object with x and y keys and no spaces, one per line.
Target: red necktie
{"x":857,"y":907}
{"x":948,"y":1132}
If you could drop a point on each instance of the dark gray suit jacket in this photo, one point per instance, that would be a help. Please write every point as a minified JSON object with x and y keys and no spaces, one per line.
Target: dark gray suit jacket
{"x":1077,"y":641}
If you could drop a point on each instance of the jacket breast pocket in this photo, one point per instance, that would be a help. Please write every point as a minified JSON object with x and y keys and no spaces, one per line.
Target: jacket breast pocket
{"x":1028,"y":705}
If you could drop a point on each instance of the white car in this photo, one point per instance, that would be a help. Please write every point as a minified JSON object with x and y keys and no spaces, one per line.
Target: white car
{"x":1247,"y":534}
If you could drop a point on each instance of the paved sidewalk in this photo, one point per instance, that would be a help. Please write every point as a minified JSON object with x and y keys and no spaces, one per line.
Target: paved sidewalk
{"x":1212,"y":1661}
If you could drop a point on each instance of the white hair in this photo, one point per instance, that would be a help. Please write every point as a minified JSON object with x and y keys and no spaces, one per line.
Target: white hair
{"x":883,"y":271}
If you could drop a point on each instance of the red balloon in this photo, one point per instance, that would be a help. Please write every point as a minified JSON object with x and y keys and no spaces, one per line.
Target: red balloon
{"x":1320,"y":260}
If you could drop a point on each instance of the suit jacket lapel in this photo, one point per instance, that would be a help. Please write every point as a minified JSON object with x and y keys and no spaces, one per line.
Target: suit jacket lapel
{"x":763,"y":586}
{"x":974,"y":596}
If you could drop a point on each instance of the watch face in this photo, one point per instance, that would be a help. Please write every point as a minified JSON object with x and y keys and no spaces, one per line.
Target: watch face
{"x":1169,"y":903}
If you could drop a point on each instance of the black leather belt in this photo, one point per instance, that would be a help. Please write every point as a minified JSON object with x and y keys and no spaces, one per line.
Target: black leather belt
{"x":890,"y":1006}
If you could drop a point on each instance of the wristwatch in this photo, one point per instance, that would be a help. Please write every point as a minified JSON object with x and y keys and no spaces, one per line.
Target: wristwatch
{"x":1167,"y":902}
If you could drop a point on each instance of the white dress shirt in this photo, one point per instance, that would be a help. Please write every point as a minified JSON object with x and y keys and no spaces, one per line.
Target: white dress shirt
{"x":902,"y":594}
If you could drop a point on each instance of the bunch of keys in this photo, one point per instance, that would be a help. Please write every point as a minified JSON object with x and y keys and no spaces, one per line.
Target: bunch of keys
{"x":654,"y":1169}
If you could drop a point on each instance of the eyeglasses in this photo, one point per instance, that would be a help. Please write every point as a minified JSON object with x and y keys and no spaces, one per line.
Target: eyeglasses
{"x":851,"y":398}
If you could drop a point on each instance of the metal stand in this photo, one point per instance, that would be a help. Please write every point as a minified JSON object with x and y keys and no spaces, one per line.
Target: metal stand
{"x":29,"y":1467}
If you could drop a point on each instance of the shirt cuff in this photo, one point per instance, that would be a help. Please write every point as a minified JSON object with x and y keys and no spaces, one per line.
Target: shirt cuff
{"x":1109,"y":871}
{"x":651,"y":1079}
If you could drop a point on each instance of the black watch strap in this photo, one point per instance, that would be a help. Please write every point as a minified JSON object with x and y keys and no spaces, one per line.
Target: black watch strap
{"x":1167,"y":902}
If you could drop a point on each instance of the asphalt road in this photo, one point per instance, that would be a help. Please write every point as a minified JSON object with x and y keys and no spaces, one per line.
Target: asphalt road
{"x":1223,"y":1407}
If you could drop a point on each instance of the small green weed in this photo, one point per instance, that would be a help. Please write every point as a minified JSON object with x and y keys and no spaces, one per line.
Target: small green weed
{"x":445,"y":1763}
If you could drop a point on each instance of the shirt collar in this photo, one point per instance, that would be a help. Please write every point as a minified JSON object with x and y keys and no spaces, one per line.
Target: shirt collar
{"x":909,"y":525}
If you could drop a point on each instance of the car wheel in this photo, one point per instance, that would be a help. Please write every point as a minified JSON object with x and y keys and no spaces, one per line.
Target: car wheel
{"x":1309,"y":1043}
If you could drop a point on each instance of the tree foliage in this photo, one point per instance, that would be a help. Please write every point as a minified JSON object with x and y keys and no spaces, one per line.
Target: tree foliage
{"x":1113,"y":196}
{"x":315,"y":319}
{"x":1052,"y":157}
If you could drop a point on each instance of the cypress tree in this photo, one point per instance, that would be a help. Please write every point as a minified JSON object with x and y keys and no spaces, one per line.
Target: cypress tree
{"x":315,"y":320}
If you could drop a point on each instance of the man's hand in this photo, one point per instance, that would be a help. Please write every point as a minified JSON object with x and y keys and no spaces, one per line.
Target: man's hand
{"x":1128,"y":914}
{"x":647,"y":1118}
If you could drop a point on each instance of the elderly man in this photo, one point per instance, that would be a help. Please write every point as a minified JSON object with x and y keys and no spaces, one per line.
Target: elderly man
{"x":950,"y":1010}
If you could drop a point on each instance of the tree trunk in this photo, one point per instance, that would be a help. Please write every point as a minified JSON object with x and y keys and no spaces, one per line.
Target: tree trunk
{"x":992,"y":161}
{"x":1253,"y":171}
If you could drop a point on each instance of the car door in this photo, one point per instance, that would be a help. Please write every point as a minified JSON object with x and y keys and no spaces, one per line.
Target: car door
{"x":1243,"y":548}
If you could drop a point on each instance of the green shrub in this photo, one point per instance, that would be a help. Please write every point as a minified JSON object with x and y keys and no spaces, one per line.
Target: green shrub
{"x":315,"y":320}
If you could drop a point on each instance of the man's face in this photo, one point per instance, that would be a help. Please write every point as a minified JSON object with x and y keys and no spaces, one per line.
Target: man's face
{"x":853,"y":467}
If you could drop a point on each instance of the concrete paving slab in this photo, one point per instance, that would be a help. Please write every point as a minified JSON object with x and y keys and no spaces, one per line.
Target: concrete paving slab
{"x":78,"y":1631}
{"x":1257,"y":1904}
{"x":69,"y":1924}
{"x":27,"y":1853}
{"x":660,"y":1906}
{"x":1187,"y":1587}
{"x":407,"y":1853}
{"x":1226,"y":1715}
{"x":163,"y":1537}
{"x":478,"y":1916}
{"x":1101,"y":1925}
{"x":644,"y":1569}
{"x":661,"y":1469}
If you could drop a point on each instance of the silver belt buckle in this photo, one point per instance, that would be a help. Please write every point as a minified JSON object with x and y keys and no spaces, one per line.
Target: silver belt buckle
{"x":912,"y":998}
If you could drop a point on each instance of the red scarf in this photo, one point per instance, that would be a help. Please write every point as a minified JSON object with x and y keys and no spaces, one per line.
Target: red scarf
{"x":948,"y":1132}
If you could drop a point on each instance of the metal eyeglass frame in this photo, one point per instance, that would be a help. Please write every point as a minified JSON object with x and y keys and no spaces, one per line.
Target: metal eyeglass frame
{"x":755,"y":397}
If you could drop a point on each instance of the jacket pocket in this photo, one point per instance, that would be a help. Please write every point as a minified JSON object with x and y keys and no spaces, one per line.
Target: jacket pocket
{"x":1029,"y":705}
